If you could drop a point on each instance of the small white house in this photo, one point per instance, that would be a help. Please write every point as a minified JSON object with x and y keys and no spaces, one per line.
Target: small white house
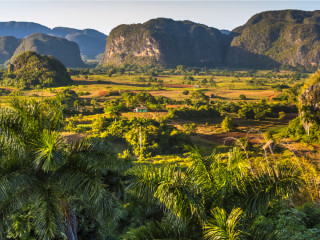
{"x":140,"y":109}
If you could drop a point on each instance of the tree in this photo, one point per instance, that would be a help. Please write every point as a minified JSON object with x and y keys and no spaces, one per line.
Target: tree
{"x":242,"y":97}
{"x":216,"y":180}
{"x":198,"y":98}
{"x":40,"y":170}
{"x":190,"y":128}
{"x":282,"y":115}
{"x":185,"y":92}
{"x":67,"y":98}
{"x":115,"y":114}
{"x":228,"y":125}
{"x":111,"y":72}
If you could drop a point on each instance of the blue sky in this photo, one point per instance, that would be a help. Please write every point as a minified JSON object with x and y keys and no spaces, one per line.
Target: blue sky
{"x":104,"y":15}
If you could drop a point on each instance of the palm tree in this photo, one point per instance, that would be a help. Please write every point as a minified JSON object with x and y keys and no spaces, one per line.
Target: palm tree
{"x":39,"y":169}
{"x":114,"y":113}
{"x":218,"y":180}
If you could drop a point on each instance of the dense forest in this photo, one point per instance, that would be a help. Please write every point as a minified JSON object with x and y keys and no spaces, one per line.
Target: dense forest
{"x":53,"y":187}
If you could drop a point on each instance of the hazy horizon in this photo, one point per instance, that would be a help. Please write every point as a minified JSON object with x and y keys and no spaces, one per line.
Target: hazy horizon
{"x":105,"y":15}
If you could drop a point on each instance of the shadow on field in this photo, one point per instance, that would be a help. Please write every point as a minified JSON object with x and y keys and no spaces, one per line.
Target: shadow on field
{"x":91,"y":82}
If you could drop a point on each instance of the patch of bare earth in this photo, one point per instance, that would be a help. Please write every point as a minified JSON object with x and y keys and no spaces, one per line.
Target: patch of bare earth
{"x":73,"y":137}
{"x":230,"y":137}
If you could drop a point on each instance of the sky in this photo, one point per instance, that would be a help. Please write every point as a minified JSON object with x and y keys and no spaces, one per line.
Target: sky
{"x":104,"y":15}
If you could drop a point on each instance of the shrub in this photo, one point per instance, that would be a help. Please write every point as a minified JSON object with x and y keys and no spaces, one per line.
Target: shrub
{"x":242,"y":97}
{"x":185,"y":92}
{"x":228,"y":125}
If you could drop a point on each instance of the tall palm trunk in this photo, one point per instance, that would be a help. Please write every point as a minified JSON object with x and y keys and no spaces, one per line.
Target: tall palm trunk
{"x":71,"y":223}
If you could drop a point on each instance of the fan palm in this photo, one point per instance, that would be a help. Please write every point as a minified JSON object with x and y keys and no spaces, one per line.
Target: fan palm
{"x":38,"y":168}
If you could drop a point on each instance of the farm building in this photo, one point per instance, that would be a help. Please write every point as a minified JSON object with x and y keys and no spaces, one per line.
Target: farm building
{"x":140,"y":109}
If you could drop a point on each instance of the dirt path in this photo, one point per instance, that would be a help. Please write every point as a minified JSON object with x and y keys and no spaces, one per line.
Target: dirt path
{"x":272,"y":96}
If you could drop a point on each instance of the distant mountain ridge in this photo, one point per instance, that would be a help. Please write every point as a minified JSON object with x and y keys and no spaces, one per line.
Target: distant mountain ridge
{"x":21,"y":29}
{"x":91,"y":42}
{"x":269,"y":39}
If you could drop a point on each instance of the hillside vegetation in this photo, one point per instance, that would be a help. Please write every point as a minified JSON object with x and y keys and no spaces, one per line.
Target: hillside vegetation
{"x":31,"y":70}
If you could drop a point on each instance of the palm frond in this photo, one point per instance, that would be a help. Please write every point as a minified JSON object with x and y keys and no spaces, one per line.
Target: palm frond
{"x":48,"y":217}
{"x":171,"y":188}
{"x":223,"y":227}
{"x":48,"y":151}
{"x":263,"y":189}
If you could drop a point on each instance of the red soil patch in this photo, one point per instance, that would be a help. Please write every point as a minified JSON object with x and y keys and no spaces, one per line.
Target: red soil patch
{"x":177,"y":85}
{"x":103,"y":93}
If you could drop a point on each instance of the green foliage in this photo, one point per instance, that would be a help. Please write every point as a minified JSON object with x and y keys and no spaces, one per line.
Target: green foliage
{"x":228,"y":125}
{"x":190,"y":128}
{"x":258,"y":111}
{"x":223,"y":227}
{"x":290,"y":224}
{"x":205,"y":49}
{"x":242,"y":97}
{"x":185,"y":92}
{"x":212,"y":186}
{"x":297,"y":131}
{"x":145,"y":136}
{"x":198,"y":98}
{"x":67,"y":98}
{"x":193,"y":113}
{"x":30,"y":70}
{"x":40,"y":170}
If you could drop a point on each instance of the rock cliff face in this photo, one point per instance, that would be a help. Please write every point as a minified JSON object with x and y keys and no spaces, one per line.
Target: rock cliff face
{"x":272,"y":38}
{"x":165,"y":41}
{"x":66,"y":51}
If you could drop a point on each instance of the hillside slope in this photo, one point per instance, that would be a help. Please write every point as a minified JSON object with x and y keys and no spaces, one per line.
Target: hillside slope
{"x":64,"y":50}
